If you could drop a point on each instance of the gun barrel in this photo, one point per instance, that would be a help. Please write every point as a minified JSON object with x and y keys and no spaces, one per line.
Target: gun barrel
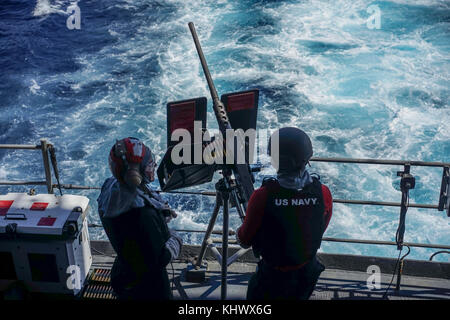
{"x":211,"y":86}
{"x":241,"y":171}
{"x":219,"y":108}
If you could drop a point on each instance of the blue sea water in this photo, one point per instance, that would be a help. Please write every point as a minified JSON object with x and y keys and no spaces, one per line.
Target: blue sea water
{"x":357,"y":91}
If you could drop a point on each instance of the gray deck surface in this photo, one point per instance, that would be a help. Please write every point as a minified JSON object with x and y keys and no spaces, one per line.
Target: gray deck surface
{"x":334,"y":283}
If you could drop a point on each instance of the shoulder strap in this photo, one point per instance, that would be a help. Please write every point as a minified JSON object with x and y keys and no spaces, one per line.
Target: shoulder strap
{"x":315,"y":186}
{"x":270,"y":182}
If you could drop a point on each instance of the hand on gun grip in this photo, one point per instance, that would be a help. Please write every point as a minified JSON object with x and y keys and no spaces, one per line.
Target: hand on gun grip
{"x":170,"y":214}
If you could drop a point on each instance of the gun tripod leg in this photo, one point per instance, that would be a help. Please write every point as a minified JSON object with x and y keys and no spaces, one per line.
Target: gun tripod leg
{"x":223,"y":289}
{"x":197,"y":272}
{"x":209,"y":230}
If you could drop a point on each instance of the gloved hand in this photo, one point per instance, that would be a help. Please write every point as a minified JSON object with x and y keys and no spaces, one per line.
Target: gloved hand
{"x":174,"y":244}
{"x":172,"y":215}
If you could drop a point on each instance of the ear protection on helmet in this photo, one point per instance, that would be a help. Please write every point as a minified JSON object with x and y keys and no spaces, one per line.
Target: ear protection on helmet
{"x":127,"y":160}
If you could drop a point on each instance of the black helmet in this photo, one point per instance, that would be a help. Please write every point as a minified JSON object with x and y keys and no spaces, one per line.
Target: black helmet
{"x":295,"y":149}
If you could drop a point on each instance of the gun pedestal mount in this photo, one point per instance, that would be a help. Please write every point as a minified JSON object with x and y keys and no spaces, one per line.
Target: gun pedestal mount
{"x":226,"y":193}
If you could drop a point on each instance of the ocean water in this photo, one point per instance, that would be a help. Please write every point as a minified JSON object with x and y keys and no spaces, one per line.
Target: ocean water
{"x":358,"y":91}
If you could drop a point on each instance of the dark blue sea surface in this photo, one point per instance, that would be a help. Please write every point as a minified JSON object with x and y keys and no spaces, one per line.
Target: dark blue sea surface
{"x":358,"y":91}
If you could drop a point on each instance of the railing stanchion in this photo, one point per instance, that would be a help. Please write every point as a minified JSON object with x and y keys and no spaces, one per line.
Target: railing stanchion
{"x":48,"y":174}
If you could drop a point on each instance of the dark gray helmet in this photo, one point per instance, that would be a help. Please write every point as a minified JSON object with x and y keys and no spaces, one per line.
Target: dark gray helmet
{"x":295,"y":149}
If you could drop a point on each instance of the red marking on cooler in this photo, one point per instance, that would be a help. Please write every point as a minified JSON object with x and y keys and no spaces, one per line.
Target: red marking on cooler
{"x":241,"y":102}
{"x":4,"y":206}
{"x":39,"y":206}
{"x":46,"y":221}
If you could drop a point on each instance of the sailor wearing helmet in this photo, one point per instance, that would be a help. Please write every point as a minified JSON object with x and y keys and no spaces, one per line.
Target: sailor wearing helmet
{"x":135,"y":220}
{"x":285,"y":221}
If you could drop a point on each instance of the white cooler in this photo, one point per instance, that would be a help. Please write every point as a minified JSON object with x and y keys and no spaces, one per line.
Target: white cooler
{"x":44,"y":242}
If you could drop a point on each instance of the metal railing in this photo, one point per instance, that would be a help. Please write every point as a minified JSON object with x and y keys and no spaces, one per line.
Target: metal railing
{"x":444,"y":197}
{"x":48,"y":150}
{"x":45,"y":148}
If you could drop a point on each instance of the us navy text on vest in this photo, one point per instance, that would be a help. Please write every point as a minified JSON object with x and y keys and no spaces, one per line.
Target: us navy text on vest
{"x":296,"y":202}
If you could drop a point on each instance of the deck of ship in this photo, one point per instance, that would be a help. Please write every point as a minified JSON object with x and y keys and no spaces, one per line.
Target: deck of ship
{"x":345,"y":277}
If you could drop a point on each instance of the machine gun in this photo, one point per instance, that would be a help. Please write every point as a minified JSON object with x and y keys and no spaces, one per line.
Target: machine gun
{"x":233,"y":111}
{"x":242,"y":173}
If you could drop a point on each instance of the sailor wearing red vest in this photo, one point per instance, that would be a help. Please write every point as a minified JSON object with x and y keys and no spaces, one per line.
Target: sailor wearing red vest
{"x":284,"y":223}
